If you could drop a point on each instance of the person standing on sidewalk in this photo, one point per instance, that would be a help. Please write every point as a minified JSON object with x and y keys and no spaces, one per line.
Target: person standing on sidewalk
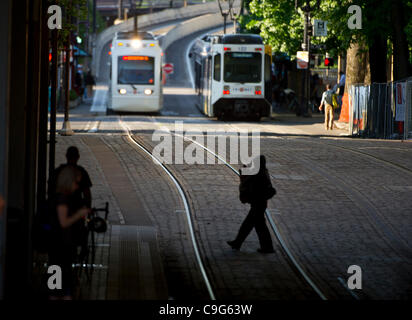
{"x":255,"y":189}
{"x":65,"y":216}
{"x":90,"y":82}
{"x":80,"y":198}
{"x":83,"y":194}
{"x":327,"y":101}
{"x":341,"y":87}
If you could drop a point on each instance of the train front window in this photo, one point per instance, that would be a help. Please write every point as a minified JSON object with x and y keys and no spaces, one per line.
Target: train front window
{"x":242,"y":67}
{"x":135,"y":70}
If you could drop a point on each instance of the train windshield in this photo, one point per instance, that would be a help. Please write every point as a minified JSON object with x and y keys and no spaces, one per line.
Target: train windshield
{"x":242,"y":67}
{"x":135,"y":70}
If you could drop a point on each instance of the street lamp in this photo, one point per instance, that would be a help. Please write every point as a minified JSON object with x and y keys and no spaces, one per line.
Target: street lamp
{"x":225,"y":13}
{"x":234,"y":17}
{"x":305,"y":6}
{"x":136,"y":4}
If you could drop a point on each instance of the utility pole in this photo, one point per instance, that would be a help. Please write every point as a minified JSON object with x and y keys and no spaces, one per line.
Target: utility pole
{"x":66,"y":129}
{"x":225,"y":13}
{"x":94,"y":17}
{"x":119,"y":10}
{"x":307,"y":9}
{"x":53,"y":103}
{"x":134,"y":12}
{"x":235,"y":17}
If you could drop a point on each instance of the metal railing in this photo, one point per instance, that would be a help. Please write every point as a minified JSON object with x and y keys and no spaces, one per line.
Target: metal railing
{"x":381,"y":110}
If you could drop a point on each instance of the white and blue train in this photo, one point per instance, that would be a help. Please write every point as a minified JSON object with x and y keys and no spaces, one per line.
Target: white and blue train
{"x":233,"y":76}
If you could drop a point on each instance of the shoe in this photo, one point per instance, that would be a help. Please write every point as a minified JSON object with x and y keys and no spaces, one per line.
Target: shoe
{"x":233,"y":245}
{"x":265,"y":250}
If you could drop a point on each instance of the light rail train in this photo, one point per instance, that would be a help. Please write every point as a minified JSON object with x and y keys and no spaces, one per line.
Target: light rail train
{"x":233,"y":76}
{"x":135,"y":73}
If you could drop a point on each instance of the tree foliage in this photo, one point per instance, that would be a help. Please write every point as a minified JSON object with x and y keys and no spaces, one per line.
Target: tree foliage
{"x":281,"y":25}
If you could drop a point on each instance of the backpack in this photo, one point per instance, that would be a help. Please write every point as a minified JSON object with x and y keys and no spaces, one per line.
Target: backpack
{"x":247,"y":189}
{"x":329,"y":97}
{"x":335,"y":101}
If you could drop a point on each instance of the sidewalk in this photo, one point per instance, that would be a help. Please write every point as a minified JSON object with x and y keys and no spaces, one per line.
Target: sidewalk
{"x":311,"y":126}
{"x":127,"y":265}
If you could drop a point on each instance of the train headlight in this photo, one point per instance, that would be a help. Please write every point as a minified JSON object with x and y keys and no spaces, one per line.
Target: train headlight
{"x":226,"y":90}
{"x":258,"y":90}
{"x":148,"y":92}
{"x":136,"y":44}
{"x":122,"y":91}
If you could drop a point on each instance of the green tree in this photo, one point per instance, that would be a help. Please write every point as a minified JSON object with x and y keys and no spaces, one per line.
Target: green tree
{"x":72,"y":10}
{"x":385,"y":24}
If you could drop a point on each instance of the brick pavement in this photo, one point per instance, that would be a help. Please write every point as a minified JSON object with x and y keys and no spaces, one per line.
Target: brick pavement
{"x":327,"y":225}
{"x":323,"y":224}
{"x":213,"y":191}
{"x":158,"y":198}
{"x":330,"y":228}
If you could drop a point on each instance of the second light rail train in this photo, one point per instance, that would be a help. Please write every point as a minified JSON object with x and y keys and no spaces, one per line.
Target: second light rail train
{"x":135,"y":73}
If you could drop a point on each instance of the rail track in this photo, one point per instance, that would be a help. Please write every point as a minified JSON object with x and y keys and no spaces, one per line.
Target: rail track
{"x":185,"y":201}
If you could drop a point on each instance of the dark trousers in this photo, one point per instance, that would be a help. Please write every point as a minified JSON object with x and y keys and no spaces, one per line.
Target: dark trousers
{"x":255,"y":219}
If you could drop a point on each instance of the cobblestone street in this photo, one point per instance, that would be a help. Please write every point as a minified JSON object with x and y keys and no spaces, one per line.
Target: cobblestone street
{"x":340,"y":202}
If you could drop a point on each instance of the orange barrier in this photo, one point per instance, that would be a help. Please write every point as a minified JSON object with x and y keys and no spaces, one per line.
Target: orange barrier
{"x":344,"y":113}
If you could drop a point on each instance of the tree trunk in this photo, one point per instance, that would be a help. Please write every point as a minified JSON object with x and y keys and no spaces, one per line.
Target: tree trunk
{"x":378,"y":61}
{"x":357,"y":66}
{"x":357,"y":72}
{"x":401,"y":65}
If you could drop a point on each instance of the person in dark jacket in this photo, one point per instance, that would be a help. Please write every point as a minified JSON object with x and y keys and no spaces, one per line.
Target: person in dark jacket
{"x":65,"y":215}
{"x":257,"y":185}
{"x":90,"y":83}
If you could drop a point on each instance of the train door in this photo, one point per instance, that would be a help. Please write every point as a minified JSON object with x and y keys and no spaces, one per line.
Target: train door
{"x":202,"y":85}
{"x":206,"y":85}
{"x":216,"y":79}
{"x":209,"y":91}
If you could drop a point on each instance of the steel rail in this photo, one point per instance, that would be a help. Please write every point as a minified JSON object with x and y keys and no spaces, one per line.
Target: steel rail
{"x":186,"y":205}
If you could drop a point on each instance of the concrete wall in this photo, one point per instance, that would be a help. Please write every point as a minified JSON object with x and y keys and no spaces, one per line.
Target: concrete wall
{"x":188,"y":27}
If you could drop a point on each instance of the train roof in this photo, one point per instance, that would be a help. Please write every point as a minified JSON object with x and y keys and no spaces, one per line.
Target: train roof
{"x":129,"y":35}
{"x":241,"y":39}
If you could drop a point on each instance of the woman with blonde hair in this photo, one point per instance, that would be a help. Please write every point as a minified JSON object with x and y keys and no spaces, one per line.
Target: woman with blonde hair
{"x":63,"y":249}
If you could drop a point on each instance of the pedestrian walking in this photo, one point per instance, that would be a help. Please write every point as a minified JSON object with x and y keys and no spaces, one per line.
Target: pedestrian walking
{"x":65,"y":215}
{"x":341,"y":87}
{"x":256,"y":190}
{"x":327,"y":101}
{"x":90,"y":82}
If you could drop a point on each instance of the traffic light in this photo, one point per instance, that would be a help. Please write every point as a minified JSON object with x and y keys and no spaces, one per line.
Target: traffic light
{"x":328,"y":62}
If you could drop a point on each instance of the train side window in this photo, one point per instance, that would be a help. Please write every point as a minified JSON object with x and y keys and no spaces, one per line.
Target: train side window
{"x":216,"y":69}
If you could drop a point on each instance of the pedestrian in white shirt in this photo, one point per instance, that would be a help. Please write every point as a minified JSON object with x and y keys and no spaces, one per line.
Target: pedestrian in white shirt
{"x":327,"y":101}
